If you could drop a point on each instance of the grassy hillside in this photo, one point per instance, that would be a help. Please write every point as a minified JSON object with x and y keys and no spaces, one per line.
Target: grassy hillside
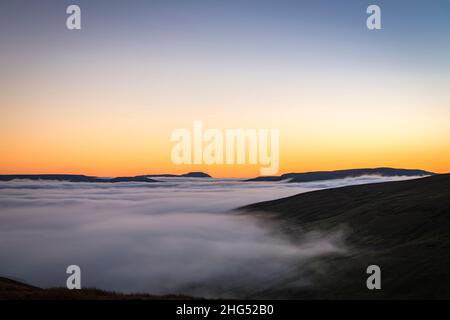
{"x":15,"y":290}
{"x":404,"y":227}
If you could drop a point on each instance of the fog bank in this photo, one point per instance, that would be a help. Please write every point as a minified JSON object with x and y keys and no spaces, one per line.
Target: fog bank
{"x":177,"y":236}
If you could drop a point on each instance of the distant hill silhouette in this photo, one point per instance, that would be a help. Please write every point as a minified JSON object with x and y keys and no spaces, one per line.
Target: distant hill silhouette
{"x":83,"y":178}
{"x":340,"y":174}
{"x":73,"y":178}
{"x":402,"y":226}
{"x":186,"y":175}
{"x":131,"y":179}
{"x":196,"y":175}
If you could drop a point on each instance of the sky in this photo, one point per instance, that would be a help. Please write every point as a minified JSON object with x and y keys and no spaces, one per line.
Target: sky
{"x":104,"y":100}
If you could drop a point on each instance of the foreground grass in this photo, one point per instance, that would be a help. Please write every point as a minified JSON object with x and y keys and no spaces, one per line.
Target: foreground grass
{"x":15,"y":290}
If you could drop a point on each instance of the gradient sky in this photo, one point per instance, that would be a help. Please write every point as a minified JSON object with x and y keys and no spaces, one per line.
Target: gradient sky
{"x":104,"y":100}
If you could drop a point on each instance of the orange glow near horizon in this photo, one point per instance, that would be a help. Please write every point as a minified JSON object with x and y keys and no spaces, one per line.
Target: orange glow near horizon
{"x":123,"y":143}
{"x":118,"y":141}
{"x":103,"y":156}
{"x":105,"y":99}
{"x":118,"y":122}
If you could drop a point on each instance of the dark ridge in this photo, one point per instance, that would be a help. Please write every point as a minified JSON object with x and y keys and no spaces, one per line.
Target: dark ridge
{"x":340,"y":174}
{"x":186,"y":175}
{"x":403,"y":226}
{"x":73,"y":178}
{"x":131,"y":179}
{"x":196,"y":175}
{"x":15,"y":290}
{"x":83,"y":178}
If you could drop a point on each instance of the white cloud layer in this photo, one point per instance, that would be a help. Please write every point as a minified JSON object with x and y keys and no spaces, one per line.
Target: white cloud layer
{"x":172,"y":237}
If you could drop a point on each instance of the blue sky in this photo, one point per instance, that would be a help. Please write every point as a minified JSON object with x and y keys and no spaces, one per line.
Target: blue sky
{"x":231,"y":64}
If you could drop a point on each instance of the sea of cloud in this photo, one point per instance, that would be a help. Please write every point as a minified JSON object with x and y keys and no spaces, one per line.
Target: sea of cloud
{"x":176,"y":236}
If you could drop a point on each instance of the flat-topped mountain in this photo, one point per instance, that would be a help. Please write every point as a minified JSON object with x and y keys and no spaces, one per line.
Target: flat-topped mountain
{"x":186,"y":175}
{"x":341,"y":174}
{"x":402,"y":226}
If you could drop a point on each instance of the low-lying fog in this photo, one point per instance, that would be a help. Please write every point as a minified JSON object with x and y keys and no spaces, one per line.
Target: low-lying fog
{"x":176,"y":236}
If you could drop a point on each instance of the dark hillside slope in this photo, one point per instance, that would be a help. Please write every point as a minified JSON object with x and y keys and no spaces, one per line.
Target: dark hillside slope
{"x":404,"y":227}
{"x":15,"y":290}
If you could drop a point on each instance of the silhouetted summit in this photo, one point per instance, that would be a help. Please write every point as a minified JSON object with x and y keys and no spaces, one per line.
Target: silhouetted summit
{"x":196,"y":175}
{"x":186,"y":175}
{"x":340,"y":174}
